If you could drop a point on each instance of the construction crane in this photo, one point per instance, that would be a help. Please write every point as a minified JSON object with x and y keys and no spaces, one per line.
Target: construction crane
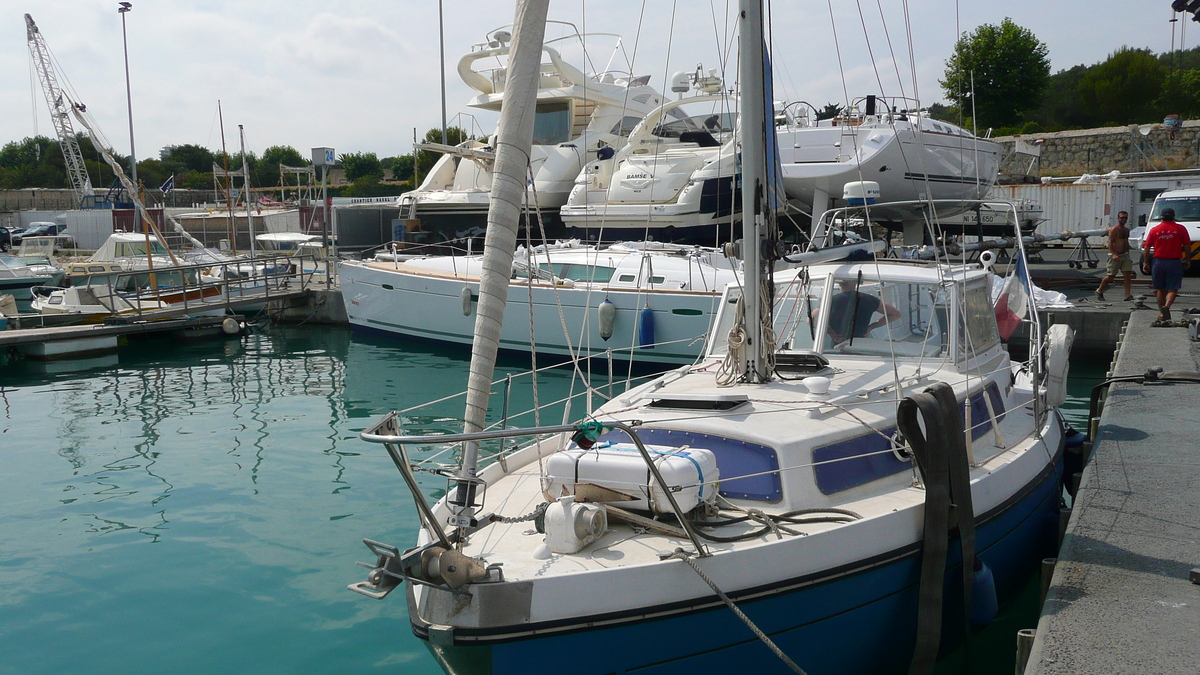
{"x":60,"y":114}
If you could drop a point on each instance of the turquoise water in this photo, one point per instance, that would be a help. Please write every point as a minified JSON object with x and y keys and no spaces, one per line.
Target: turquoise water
{"x":199,"y":508}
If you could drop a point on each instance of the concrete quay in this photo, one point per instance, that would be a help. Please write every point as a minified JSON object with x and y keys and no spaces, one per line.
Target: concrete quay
{"x":1120,"y":599}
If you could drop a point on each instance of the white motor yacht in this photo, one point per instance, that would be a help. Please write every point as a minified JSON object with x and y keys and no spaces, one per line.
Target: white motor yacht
{"x":670,"y":180}
{"x":577,"y":114}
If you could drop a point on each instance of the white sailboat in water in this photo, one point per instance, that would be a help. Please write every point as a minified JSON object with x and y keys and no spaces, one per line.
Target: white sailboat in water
{"x":854,"y":469}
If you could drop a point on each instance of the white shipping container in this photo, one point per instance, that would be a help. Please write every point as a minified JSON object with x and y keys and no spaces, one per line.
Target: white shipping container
{"x":1066,"y":206}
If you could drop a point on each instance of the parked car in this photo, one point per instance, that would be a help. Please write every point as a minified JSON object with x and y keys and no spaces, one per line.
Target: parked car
{"x":5,"y":238}
{"x":38,"y":229}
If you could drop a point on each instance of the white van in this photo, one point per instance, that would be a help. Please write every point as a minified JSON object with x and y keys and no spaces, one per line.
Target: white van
{"x":1187,"y":213}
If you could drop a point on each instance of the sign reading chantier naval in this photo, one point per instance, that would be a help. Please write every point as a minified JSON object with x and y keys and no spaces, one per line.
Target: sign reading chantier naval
{"x":324,"y":157}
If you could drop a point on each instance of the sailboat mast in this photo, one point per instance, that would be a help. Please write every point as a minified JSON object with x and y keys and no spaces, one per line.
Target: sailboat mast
{"x":754,"y":130}
{"x":228,"y":183}
{"x":246,"y":189}
{"x":514,"y":139}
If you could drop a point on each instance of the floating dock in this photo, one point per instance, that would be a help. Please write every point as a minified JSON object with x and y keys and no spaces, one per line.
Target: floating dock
{"x":1124,"y":595}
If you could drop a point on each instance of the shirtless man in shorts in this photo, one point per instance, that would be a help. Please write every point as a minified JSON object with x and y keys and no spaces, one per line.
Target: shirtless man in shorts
{"x":1118,"y":258}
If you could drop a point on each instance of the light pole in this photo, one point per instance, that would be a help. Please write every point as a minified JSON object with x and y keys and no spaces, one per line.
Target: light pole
{"x":124,"y":9}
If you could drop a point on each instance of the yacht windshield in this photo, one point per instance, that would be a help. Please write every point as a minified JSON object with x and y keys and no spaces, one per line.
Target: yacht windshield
{"x":873,"y":318}
{"x":552,"y":125}
{"x":715,"y":123}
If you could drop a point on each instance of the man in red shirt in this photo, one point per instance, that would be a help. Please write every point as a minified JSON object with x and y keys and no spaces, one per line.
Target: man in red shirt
{"x":1171,"y":245}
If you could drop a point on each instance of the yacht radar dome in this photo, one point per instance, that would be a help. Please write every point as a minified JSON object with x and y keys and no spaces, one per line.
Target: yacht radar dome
{"x":860,"y":192}
{"x":681,"y":82}
{"x":500,"y":37}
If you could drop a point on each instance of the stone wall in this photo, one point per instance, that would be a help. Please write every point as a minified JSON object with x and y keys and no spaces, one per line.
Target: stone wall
{"x":1125,"y":149}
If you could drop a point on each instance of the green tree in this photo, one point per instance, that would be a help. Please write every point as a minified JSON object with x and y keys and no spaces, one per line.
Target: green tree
{"x":830,"y":111}
{"x":402,"y":167}
{"x":1061,"y":106}
{"x":999,"y":72}
{"x":192,"y":157}
{"x":360,"y":165}
{"x":1123,"y":89}
{"x":425,"y":159}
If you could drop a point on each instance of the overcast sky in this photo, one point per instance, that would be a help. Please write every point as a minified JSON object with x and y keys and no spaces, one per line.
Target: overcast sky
{"x":360,"y":75}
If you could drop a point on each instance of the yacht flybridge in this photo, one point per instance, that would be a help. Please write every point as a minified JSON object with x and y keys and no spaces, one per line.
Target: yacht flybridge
{"x":577,"y":115}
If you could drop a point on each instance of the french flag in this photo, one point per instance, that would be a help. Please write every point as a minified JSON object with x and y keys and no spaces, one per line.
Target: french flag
{"x":1013,"y":303}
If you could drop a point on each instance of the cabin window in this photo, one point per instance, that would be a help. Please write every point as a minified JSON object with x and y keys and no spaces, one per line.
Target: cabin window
{"x":552,"y":123}
{"x":56,"y":300}
{"x":979,"y":332}
{"x":900,"y":319}
{"x":626,"y":278}
{"x":578,"y":272}
{"x":857,"y":461}
{"x":95,"y":268}
{"x":1145,"y":196}
{"x":657,"y":279}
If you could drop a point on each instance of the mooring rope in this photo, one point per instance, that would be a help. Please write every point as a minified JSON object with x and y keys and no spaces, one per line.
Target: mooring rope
{"x":687,"y":558}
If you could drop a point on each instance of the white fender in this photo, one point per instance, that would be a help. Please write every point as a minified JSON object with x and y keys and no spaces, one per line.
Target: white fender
{"x":1058,"y":351}
{"x":467,"y":305}
{"x":607,"y":315}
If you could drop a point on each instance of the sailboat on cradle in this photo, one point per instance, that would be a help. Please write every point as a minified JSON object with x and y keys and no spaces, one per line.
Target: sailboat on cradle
{"x":853,"y":470}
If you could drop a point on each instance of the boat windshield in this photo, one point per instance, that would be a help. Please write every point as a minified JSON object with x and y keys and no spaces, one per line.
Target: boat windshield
{"x":715,"y":123}
{"x":873,"y":318}
{"x":8,"y":262}
{"x":977,"y":328}
{"x":552,"y":123}
{"x":795,"y":313}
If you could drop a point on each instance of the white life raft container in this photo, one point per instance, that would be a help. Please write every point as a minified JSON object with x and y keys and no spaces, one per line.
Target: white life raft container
{"x":625,"y":481}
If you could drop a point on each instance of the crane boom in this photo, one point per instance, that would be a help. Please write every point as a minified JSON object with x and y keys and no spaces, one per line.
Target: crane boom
{"x":60,"y":114}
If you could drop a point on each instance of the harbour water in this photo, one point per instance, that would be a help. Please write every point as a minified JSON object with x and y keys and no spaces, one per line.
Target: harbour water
{"x":199,"y":508}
